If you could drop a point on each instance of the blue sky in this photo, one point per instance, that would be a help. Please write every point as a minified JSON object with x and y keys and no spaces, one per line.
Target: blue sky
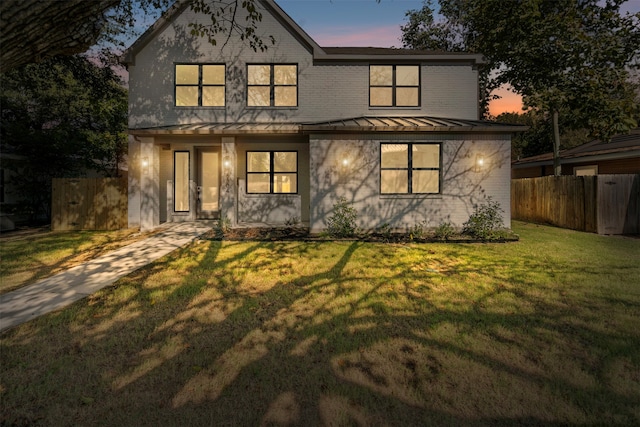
{"x":362,"y":22}
{"x":351,"y":22}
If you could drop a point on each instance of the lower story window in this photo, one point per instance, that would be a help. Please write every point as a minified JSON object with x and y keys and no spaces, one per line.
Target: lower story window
{"x":272,"y":172}
{"x":410,"y":168}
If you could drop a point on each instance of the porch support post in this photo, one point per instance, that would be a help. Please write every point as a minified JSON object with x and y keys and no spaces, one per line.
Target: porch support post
{"x":149,"y":163}
{"x":229,"y":189}
{"x":133,"y":178}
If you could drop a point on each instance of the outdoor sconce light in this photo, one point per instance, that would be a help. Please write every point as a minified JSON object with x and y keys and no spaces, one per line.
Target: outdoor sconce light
{"x":145,"y":165}
{"x":226,"y":164}
{"x":479,"y":162}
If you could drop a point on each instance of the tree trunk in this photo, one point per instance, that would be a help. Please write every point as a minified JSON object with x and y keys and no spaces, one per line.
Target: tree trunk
{"x":557,"y":168}
{"x":34,"y":30}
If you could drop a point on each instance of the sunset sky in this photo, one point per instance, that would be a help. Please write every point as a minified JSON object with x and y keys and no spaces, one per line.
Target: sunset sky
{"x":368,"y":23}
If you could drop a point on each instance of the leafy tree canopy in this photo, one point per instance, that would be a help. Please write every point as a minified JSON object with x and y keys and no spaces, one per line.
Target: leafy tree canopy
{"x":61,"y":116}
{"x":563,"y":56}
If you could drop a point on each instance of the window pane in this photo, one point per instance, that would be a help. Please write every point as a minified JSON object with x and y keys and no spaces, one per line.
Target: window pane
{"x":285,"y":74}
{"x":285,"y":96}
{"x":285,"y":183}
{"x":213,"y":74}
{"x":186,"y":96}
{"x":394,"y":181}
{"x":259,"y":74}
{"x":407,"y":75}
{"x":394,"y":156}
{"x":425,"y":181}
{"x":259,"y":96}
{"x":213,"y":96}
{"x":407,"y":96}
{"x":426,"y":156}
{"x":258,"y":162}
{"x":181,"y":182}
{"x":381,"y":75}
{"x":381,"y":96}
{"x":187,"y":74}
{"x":258,"y":183}
{"x":285,"y":162}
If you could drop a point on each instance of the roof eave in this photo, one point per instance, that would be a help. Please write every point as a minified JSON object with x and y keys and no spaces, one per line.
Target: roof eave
{"x":128,"y":56}
{"x":472,"y":58}
{"x":578,"y":159}
{"x":387,"y":129}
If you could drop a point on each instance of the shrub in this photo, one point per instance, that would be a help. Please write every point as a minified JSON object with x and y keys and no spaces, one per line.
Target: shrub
{"x":342,"y":223}
{"x":444,"y":231}
{"x":485,"y":222}
{"x":418,"y":231}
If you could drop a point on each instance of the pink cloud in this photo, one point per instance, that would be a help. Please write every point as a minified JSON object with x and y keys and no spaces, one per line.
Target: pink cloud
{"x":383,"y":36}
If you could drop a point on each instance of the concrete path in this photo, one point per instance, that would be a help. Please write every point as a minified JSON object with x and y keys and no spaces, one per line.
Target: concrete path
{"x":76,"y":283}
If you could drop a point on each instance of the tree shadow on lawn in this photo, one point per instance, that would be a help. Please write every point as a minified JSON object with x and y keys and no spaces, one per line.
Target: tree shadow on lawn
{"x":326,"y":334}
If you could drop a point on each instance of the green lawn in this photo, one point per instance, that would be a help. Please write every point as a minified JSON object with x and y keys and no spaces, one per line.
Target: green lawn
{"x":541,"y":331}
{"x":24,"y":260}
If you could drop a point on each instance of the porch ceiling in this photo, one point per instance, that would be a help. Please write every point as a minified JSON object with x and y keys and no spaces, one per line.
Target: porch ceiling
{"x":356,"y":124}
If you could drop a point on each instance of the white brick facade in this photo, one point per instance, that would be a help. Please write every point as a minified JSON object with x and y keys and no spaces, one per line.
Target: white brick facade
{"x":332,"y":85}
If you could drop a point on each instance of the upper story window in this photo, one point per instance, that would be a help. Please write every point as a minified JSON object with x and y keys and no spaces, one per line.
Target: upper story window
{"x":410,"y":168}
{"x":271,"y":172}
{"x":272,"y":85}
{"x":200,"y":85}
{"x":394,"y":86}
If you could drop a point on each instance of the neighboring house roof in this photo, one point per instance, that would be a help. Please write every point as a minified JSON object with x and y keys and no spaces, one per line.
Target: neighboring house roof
{"x":620,"y":147}
{"x":319,"y":53}
{"x":356,"y":124}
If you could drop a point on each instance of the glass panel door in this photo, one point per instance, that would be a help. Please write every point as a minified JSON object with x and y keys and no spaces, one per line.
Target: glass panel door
{"x":208,"y":183}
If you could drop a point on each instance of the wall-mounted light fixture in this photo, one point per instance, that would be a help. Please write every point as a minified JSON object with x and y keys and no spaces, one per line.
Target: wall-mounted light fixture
{"x":226,"y":167}
{"x":479,"y":162}
{"x":145,"y":165}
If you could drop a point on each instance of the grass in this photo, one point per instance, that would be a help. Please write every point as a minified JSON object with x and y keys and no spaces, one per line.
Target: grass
{"x":24,"y":260}
{"x":541,"y":331}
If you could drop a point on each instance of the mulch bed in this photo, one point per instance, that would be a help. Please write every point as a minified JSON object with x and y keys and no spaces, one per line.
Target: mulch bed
{"x":274,"y":234}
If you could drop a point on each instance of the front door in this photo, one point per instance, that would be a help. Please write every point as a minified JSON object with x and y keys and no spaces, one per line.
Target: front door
{"x":207,"y":203}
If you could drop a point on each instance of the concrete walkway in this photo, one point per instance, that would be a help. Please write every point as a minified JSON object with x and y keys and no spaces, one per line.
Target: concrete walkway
{"x":76,"y":283}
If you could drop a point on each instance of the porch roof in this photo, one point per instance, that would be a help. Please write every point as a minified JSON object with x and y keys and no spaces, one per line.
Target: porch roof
{"x":351,"y":125}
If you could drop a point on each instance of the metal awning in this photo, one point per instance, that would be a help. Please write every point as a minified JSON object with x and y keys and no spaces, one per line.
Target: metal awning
{"x":356,"y":124}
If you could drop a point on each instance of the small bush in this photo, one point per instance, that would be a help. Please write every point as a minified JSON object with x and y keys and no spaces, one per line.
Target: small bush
{"x":418,"y":231}
{"x":342,"y":223}
{"x":444,"y":231}
{"x":485,"y":222}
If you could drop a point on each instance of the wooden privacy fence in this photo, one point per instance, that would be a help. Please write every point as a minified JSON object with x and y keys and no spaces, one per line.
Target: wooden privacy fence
{"x":89,"y":204}
{"x":603,"y":204}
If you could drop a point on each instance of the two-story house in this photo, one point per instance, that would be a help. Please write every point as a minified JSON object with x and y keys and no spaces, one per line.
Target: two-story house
{"x":280,"y":135}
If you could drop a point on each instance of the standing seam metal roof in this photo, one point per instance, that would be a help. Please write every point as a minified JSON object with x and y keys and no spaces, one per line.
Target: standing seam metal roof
{"x":355,"y":124}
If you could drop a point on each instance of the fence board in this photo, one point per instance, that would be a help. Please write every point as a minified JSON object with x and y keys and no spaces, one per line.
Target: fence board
{"x":564,"y":201}
{"x":605,"y":204}
{"x":618,"y":200}
{"x":89,"y":204}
